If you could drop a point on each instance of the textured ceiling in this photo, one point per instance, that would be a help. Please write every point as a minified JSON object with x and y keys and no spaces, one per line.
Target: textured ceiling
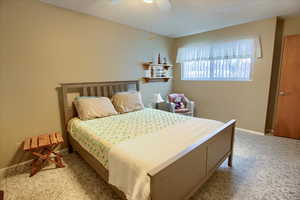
{"x":186,"y":17}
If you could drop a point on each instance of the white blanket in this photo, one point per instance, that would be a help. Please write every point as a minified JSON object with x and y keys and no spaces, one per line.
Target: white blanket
{"x":131,"y":160}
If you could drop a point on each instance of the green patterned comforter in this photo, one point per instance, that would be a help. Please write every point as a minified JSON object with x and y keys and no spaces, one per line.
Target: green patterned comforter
{"x":98,"y":135}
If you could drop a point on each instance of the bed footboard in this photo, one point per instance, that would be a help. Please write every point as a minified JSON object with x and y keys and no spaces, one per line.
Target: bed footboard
{"x":179,"y":177}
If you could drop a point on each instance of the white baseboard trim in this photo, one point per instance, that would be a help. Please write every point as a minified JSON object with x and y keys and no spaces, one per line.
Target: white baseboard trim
{"x":250,"y":131}
{"x":15,"y":165}
{"x":62,"y":151}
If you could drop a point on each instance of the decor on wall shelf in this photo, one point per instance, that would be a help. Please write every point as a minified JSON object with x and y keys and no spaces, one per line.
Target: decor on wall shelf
{"x":150,"y":59}
{"x":156,"y":72}
{"x":165,"y":60}
{"x":158,"y":59}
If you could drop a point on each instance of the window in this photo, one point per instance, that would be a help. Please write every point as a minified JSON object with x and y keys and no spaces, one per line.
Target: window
{"x":222,"y":69}
{"x":227,"y":61}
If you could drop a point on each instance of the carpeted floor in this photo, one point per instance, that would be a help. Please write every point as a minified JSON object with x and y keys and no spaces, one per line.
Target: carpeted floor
{"x":265,"y":167}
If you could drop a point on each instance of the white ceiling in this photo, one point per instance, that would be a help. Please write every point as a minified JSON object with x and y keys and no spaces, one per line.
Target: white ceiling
{"x":186,"y":17}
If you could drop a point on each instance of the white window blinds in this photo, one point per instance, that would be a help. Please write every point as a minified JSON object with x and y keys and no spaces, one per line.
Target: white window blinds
{"x":230,"y":60}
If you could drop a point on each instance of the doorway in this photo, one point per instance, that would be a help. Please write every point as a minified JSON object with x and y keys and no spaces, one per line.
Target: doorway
{"x":288,"y":108}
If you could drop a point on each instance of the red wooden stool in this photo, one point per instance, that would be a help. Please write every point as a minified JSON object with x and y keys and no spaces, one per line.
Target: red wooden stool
{"x":42,"y":147}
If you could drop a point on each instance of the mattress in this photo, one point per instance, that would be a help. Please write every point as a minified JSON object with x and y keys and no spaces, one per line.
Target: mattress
{"x":99,"y":135}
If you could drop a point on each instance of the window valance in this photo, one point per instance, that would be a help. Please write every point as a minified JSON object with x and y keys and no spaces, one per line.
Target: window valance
{"x":243,"y":48}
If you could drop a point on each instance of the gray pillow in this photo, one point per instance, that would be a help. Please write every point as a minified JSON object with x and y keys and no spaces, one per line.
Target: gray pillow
{"x":94,"y":107}
{"x":127,"y":101}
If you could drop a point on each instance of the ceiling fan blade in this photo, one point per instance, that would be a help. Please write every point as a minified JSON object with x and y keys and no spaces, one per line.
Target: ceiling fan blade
{"x":115,"y":1}
{"x":164,"y":5}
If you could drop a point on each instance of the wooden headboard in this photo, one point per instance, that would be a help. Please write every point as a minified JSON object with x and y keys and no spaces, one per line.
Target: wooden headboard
{"x":105,"y":89}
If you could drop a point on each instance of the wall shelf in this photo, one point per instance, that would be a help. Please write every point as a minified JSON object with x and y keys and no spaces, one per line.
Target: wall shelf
{"x":157,"y":79}
{"x":147,"y":66}
{"x":156,"y":72}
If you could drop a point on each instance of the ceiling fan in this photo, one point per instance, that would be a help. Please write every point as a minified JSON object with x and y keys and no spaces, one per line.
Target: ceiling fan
{"x":164,"y":5}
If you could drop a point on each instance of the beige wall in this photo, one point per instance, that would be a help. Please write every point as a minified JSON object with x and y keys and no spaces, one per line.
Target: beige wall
{"x":42,"y":46}
{"x":245,"y":101}
{"x":291,"y":25}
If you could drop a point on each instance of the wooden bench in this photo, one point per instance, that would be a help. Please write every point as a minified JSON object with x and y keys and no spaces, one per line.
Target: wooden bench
{"x":42,"y":147}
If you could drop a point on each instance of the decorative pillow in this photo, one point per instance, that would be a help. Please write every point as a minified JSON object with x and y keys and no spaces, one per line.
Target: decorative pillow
{"x":173,"y":97}
{"x":94,"y":107}
{"x":127,"y":101}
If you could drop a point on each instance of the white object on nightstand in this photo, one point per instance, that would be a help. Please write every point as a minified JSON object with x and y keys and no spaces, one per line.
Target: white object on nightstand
{"x":158,"y":98}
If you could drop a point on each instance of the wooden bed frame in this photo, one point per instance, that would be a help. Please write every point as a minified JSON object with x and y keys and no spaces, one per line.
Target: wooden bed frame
{"x":177,"y":178}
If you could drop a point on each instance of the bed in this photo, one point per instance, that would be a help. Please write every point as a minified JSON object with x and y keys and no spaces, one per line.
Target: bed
{"x":183,"y":173}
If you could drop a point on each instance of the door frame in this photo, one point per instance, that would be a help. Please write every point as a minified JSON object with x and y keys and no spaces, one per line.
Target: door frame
{"x":283,"y":61}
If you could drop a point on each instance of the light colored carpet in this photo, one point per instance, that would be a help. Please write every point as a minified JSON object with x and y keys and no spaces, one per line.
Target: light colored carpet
{"x":265,"y":167}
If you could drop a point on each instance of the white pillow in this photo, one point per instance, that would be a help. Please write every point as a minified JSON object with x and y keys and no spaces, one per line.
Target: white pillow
{"x":94,"y":107}
{"x":127,"y":101}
